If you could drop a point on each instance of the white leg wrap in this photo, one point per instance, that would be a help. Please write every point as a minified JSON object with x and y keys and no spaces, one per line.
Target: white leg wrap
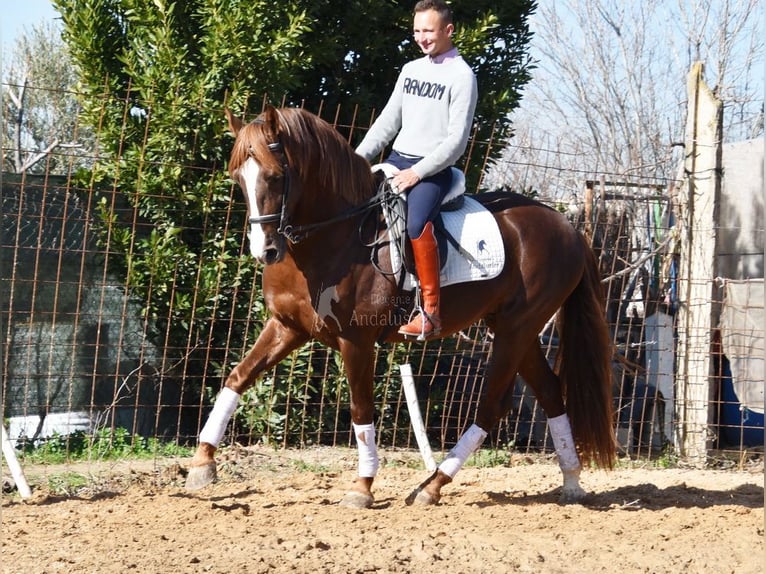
{"x":468,"y":443}
{"x":224,"y":407}
{"x":561,"y":432}
{"x":368,"y":451}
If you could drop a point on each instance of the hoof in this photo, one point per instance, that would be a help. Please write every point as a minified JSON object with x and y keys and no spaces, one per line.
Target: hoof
{"x":354,"y":499}
{"x":572,"y":496}
{"x":201,"y":476}
{"x":420,"y":496}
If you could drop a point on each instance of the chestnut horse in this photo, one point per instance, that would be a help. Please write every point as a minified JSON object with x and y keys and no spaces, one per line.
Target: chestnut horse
{"x":310,"y":200}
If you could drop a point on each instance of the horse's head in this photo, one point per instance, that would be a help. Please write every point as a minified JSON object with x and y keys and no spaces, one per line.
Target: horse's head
{"x":259,"y":165}
{"x":298,"y":174}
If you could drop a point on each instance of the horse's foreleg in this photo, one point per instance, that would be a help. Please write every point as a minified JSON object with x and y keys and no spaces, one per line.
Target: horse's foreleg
{"x":537,"y":373}
{"x":359,"y":360}
{"x":360,"y":493}
{"x":274,"y":343}
{"x":202,"y":468}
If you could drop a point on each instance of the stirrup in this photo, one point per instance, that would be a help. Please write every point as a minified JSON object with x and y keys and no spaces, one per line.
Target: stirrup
{"x":420,"y":312}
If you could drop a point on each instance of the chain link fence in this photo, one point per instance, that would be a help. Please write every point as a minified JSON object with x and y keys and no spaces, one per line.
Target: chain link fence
{"x":84,"y":353}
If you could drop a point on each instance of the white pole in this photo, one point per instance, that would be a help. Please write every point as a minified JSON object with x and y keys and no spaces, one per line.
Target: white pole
{"x":15,"y":467}
{"x":415,"y":417}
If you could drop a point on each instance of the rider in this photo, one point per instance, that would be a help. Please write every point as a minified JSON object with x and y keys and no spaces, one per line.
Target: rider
{"x":429,"y":113}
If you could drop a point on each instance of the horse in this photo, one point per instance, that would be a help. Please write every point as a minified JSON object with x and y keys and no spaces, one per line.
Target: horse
{"x":310,"y":200}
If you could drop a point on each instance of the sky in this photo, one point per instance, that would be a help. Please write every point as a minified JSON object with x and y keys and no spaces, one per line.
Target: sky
{"x":15,"y":15}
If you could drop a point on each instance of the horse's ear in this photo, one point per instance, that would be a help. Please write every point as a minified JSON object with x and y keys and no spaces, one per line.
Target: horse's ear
{"x":270,"y":117}
{"x":235,"y":123}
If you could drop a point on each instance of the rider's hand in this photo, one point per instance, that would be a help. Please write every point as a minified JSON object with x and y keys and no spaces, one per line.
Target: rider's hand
{"x":405,"y":179}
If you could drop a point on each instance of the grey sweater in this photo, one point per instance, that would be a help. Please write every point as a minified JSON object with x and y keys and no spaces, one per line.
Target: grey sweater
{"x":431,"y":109}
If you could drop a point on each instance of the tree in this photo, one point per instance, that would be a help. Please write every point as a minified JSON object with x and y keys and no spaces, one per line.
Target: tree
{"x":301,"y":53}
{"x":155,"y":77}
{"x":609,"y":92}
{"x":40,"y":108}
{"x":357,"y":58}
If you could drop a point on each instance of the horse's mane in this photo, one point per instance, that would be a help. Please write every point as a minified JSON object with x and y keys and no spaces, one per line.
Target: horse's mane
{"x":312,"y":147}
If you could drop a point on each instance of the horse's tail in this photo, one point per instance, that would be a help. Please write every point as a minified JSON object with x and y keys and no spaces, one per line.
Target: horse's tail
{"x":584,"y":367}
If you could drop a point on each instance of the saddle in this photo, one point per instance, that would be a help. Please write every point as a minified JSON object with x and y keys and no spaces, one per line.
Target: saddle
{"x":396,"y":215}
{"x":470,"y":246}
{"x":455,"y":196}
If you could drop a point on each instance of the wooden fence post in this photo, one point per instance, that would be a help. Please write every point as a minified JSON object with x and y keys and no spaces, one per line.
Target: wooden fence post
{"x":589,"y":222}
{"x":697,"y":270}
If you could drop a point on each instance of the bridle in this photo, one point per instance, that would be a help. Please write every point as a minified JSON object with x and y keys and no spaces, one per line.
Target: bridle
{"x":297,"y":233}
{"x":284,"y":227}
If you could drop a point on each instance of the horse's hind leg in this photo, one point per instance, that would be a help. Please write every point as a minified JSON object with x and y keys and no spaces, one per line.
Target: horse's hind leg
{"x":536,"y":371}
{"x":500,"y":377}
{"x":274,"y":343}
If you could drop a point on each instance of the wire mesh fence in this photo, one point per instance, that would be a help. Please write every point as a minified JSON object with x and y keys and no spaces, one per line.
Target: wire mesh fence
{"x":89,"y":351}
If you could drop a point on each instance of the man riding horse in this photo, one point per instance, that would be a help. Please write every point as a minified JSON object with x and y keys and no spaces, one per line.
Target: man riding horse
{"x":430,"y":112}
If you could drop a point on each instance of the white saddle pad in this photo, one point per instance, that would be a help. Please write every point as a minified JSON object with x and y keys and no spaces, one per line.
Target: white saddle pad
{"x":475,"y":229}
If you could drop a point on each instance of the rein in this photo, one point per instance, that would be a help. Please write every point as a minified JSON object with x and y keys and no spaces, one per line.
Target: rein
{"x":297,"y":233}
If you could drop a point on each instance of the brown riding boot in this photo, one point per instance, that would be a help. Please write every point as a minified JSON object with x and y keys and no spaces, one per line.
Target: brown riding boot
{"x":427,"y":323}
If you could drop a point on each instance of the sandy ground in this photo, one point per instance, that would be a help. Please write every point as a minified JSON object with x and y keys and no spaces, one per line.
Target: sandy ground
{"x":276,"y":511}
